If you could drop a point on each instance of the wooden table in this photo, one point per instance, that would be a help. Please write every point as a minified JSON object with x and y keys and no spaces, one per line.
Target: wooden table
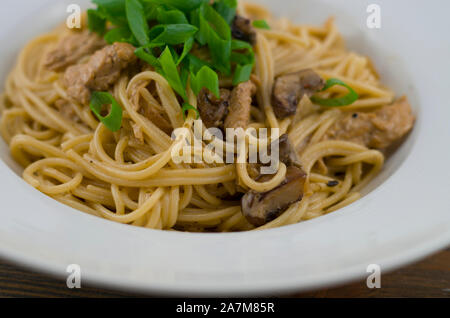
{"x":428,"y":278}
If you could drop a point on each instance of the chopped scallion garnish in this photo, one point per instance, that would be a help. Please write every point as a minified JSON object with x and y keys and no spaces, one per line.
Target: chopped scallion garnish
{"x":242,"y":73}
{"x":137,"y":21}
{"x":170,"y":16}
{"x":216,"y":33}
{"x":172,"y":34}
{"x":96,"y":21}
{"x":346,"y":100}
{"x":165,"y":32}
{"x":170,"y":72}
{"x":261,"y":24}
{"x":227,"y":9}
{"x":112,"y":121}
{"x":120,"y":34}
{"x":187,"y":107}
{"x":183,"y":5}
{"x":205,"y":78}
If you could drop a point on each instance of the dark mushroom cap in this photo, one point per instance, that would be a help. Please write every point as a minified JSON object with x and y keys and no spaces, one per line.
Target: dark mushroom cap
{"x":213,"y":110}
{"x":289,"y":89}
{"x":261,"y":208}
{"x":288,"y":156}
{"x":242,"y":29}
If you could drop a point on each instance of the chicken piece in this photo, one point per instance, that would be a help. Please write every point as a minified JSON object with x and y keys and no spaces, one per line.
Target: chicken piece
{"x":213,"y":110}
{"x":289,"y":89}
{"x":76,"y":79}
{"x":72,"y":48}
{"x":240,"y":105}
{"x":261,"y":208}
{"x":243,"y":30}
{"x":379,"y":129}
{"x":101,"y":71}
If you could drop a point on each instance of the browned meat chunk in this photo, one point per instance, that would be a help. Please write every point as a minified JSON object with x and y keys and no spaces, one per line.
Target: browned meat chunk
{"x":240,"y":105}
{"x":72,"y":48}
{"x":261,"y":208}
{"x":378,"y":129}
{"x":243,"y":30}
{"x":213,"y":110}
{"x":289,"y":89}
{"x":101,"y":71}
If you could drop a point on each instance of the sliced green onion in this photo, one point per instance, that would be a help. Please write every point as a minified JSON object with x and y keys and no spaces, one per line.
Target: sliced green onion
{"x":187,"y":107}
{"x":171,"y":16}
{"x":242,"y":59}
{"x":240,"y":45}
{"x":176,"y":23}
{"x":113,"y":121}
{"x":205,"y":78}
{"x":147,"y":57}
{"x":186,"y":49}
{"x":261,"y":24}
{"x":242,"y":73}
{"x":137,"y":21}
{"x":96,"y":21}
{"x":150,"y":10}
{"x":183,"y":5}
{"x":195,"y":64}
{"x":346,"y":100}
{"x":170,"y":72}
{"x":227,"y":9}
{"x":215,"y":31}
{"x":113,"y":10}
{"x":184,"y":74}
{"x":120,"y":34}
{"x":172,"y":34}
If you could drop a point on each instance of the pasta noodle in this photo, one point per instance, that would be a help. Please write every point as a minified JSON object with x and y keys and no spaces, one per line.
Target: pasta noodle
{"x":120,"y":178}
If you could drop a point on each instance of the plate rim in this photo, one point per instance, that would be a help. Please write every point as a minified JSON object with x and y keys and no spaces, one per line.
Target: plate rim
{"x":335,"y":278}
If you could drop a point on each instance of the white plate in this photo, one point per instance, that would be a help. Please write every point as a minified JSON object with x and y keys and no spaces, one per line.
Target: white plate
{"x":404,"y":218}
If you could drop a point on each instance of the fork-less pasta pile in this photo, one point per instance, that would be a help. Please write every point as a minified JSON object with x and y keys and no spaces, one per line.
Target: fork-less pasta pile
{"x":300,"y":79}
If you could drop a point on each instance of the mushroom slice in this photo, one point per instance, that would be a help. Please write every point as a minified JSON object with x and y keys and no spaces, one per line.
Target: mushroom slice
{"x":213,"y":110}
{"x":261,"y":208}
{"x":243,"y":30}
{"x":288,"y":156}
{"x":289,"y":89}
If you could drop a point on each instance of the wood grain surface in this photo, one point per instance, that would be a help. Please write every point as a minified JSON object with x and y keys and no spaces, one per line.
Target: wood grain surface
{"x":428,"y":278}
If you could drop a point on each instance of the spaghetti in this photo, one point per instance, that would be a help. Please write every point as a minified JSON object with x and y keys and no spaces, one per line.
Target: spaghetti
{"x":116,"y":176}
